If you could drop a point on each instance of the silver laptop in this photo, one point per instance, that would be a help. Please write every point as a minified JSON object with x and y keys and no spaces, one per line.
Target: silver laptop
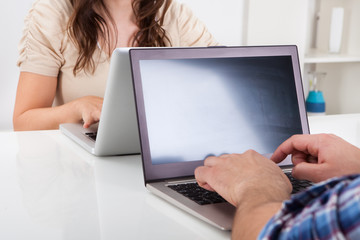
{"x":197,"y":102}
{"x":117,"y":131}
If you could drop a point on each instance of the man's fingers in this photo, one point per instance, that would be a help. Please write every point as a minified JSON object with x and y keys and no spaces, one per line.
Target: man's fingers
{"x":201,"y":176}
{"x":309,"y":171}
{"x":203,"y":173}
{"x":286,"y":148}
{"x":299,"y":157}
{"x":307,"y":144}
{"x":211,"y":161}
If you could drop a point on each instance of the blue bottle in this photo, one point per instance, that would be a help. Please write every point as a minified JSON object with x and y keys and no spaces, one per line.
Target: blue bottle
{"x":315,"y":102}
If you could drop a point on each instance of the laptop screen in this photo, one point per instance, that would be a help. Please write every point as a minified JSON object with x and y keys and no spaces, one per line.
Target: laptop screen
{"x":201,"y":106}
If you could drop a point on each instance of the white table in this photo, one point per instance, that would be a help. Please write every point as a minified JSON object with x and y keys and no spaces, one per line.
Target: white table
{"x":50,"y":188}
{"x":346,"y":126}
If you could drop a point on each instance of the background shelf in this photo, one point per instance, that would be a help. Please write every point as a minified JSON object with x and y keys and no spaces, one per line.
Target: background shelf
{"x":314,"y":56}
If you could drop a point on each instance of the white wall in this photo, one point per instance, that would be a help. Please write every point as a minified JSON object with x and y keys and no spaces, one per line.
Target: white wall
{"x":11,"y":25}
{"x":279,"y":22}
{"x":284,"y":25}
{"x":223,"y":18}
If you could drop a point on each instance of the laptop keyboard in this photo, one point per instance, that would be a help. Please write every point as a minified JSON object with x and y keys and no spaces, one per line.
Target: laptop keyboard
{"x":197,"y":194}
{"x":298,"y":185}
{"x":92,"y":135}
{"x":202,"y":196}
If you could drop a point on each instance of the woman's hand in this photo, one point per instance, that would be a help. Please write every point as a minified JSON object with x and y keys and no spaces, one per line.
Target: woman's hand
{"x":88,"y":109}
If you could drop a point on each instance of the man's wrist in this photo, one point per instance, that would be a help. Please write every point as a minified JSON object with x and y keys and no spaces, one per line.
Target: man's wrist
{"x":252,"y":195}
{"x":250,"y":219}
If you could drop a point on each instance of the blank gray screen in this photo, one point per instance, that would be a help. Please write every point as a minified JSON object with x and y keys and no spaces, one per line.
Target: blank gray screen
{"x":200,"y":107}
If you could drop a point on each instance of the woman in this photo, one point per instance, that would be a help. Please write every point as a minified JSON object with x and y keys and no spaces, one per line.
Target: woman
{"x":66,"y":47}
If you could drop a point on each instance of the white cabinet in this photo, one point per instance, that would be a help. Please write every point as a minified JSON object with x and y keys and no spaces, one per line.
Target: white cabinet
{"x":306,"y":23}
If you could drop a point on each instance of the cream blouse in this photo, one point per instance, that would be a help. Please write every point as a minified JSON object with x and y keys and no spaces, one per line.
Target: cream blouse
{"x":46,"y":49}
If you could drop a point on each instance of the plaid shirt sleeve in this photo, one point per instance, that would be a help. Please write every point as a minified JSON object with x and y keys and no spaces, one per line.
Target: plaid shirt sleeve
{"x":329,"y":210}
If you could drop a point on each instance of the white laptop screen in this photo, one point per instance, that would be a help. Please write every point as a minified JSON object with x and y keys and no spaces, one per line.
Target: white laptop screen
{"x":200,"y":107}
{"x":197,"y":107}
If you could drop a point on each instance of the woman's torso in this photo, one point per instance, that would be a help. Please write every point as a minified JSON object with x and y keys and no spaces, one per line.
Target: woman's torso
{"x":46,"y":48}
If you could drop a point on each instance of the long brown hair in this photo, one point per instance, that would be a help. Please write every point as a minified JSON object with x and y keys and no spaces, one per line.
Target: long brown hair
{"x":86,"y":26}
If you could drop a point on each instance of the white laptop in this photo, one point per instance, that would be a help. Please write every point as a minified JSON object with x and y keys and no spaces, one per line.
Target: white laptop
{"x":117,"y":131}
{"x":196,"y":102}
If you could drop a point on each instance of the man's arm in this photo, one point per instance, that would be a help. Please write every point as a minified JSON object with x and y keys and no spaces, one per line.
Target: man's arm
{"x":330,"y":210}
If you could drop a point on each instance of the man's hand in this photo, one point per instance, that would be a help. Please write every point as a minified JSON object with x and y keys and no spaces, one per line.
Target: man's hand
{"x":238,"y":176}
{"x":249,"y":181}
{"x":319,"y":157}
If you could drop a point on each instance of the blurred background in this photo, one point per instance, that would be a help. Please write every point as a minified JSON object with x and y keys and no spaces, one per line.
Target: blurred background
{"x":309,"y":24}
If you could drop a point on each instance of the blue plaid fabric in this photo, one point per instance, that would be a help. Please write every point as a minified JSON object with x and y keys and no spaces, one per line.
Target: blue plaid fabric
{"x":329,"y":210}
